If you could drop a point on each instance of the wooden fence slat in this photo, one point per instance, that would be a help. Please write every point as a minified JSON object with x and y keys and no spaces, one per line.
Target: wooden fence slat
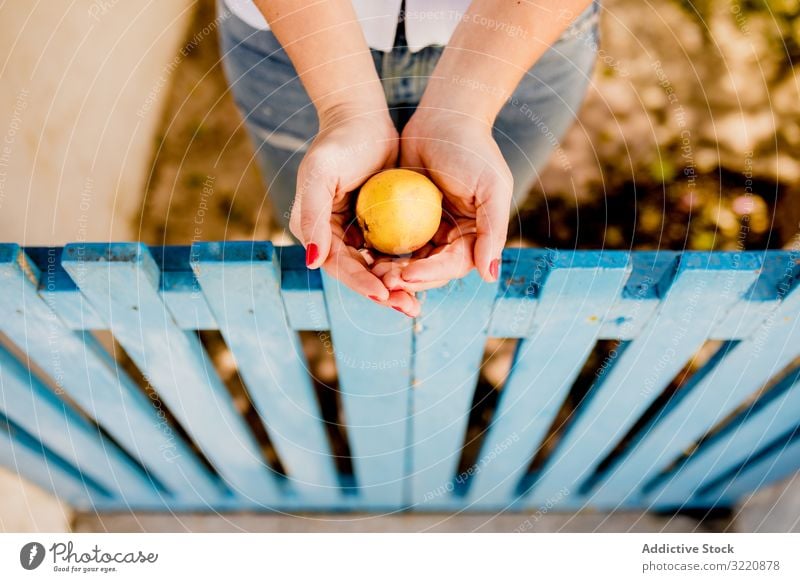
{"x":121,"y":281}
{"x":406,"y":386}
{"x":372,"y":347}
{"x":712,"y":460}
{"x":742,"y":370}
{"x":448,"y":349}
{"x":37,"y":410}
{"x":524,"y":271}
{"x":305,"y":303}
{"x":778,"y":463}
{"x":640,"y":300}
{"x":302,"y":293}
{"x":180,"y":290}
{"x":241,"y":283}
{"x":60,"y":292}
{"x":704,"y":288}
{"x":301,"y":290}
{"x":25,"y":456}
{"x":578,"y":293}
{"x":517,"y":297}
{"x":78,"y":364}
{"x":745,"y":317}
{"x":180,"y":294}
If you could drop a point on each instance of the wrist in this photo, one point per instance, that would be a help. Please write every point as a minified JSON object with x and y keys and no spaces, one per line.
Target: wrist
{"x":368,"y":105}
{"x":433,"y":121}
{"x":465,"y":96}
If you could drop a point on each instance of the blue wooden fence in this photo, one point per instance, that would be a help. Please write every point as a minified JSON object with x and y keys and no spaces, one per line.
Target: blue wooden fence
{"x":648,"y":431}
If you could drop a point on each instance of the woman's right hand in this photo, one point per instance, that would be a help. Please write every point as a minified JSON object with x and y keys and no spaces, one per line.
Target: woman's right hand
{"x":352,"y":145}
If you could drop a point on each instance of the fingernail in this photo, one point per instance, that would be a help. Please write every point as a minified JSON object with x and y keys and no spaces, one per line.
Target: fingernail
{"x":400,"y":310}
{"x":412,"y":280}
{"x":374,"y":297}
{"x":312,"y":254}
{"x":494,"y":268}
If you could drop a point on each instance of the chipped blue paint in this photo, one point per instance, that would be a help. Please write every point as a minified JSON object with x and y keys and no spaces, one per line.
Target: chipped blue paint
{"x":755,"y":429}
{"x":704,"y":287}
{"x":78,"y":365}
{"x":372,"y":347}
{"x":121,"y":282}
{"x":241,"y":283}
{"x":449,"y":343}
{"x":36,"y":409}
{"x":578,"y":294}
{"x":405,"y":386}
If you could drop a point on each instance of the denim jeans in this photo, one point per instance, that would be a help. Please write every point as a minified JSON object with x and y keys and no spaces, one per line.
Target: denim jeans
{"x":282,"y":121}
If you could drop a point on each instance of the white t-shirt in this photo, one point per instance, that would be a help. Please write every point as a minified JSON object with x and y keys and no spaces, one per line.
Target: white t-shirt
{"x":428,"y":22}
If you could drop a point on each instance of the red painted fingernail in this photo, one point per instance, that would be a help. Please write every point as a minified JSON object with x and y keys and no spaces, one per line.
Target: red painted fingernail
{"x":312,"y":254}
{"x":400,"y":310}
{"x":494,"y":268}
{"x":374,"y":297}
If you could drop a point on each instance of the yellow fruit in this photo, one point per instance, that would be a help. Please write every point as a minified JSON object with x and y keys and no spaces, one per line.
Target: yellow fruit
{"x":398,"y":211}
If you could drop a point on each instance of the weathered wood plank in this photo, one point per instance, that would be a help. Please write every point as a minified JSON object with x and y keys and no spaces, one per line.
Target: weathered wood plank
{"x":578,"y":293}
{"x":79,"y":365}
{"x":780,"y":460}
{"x":757,"y":305}
{"x":760,"y":426}
{"x":180,"y":290}
{"x":24,"y":455}
{"x":704,"y":288}
{"x":449,"y":342}
{"x":372,"y":347}
{"x":524,"y":272}
{"x":639,"y":300}
{"x":60,"y":292}
{"x":28,"y":403}
{"x":121,"y":280}
{"x":406,"y":440}
{"x":241,"y":283}
{"x":302,"y":292}
{"x":304,"y":299}
{"x":740,"y":371}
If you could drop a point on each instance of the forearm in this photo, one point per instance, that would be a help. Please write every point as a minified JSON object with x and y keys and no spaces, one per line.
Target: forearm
{"x":327,"y":48}
{"x":494,"y":45}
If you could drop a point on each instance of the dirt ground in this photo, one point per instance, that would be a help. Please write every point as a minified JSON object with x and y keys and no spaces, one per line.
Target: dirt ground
{"x":204,"y":183}
{"x":688,"y":139}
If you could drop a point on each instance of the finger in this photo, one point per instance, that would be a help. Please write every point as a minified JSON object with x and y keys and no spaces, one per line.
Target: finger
{"x":399,"y":299}
{"x":453,"y":261}
{"x":491,"y":220}
{"x":426,"y":285}
{"x":349,"y":266}
{"x":384,"y":265}
{"x":310,"y":221}
{"x":394,"y":281}
{"x":390,"y":273}
{"x":405,"y":303}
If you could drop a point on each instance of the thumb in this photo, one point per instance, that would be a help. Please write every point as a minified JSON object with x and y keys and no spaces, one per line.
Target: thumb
{"x":310,"y":221}
{"x":492,"y":227}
